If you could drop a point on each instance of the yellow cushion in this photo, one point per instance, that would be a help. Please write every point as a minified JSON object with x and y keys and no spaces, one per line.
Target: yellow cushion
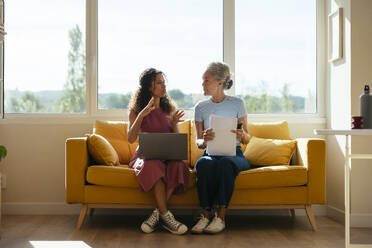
{"x":195,"y":152}
{"x":116,"y":133}
{"x":264,"y":177}
{"x":262,"y":152}
{"x":120,"y":176}
{"x":101,"y":150}
{"x":270,"y":130}
{"x":271,"y":177}
{"x":184,"y":127}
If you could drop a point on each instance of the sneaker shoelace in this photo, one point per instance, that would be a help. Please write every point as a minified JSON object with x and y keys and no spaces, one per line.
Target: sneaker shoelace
{"x":201,"y":220}
{"x":152,"y":220}
{"x":171,"y":221}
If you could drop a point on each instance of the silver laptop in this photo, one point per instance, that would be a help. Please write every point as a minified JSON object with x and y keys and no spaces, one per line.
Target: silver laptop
{"x":164,"y":146}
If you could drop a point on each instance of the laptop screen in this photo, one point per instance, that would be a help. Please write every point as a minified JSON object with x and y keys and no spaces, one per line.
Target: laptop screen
{"x":164,"y":146}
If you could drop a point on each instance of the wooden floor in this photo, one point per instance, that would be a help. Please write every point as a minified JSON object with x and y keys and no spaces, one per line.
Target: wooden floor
{"x":123,"y":231}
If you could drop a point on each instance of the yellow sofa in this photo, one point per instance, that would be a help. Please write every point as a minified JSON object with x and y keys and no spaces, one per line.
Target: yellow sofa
{"x":295,"y":186}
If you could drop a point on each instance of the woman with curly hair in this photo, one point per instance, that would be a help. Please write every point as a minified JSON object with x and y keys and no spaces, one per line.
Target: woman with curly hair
{"x":151,"y":110}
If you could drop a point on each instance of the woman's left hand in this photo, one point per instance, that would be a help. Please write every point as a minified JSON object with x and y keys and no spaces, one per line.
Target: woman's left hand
{"x":239,"y":133}
{"x":176,"y":116}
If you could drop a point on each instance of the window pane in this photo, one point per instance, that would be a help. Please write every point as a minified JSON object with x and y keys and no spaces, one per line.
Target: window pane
{"x":276,"y":55}
{"x":45,"y":56}
{"x":177,"y":37}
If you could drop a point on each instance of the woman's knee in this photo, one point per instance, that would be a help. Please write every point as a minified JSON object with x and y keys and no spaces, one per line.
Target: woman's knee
{"x":225,"y":165}
{"x":176,"y":165}
{"x":204,"y":165}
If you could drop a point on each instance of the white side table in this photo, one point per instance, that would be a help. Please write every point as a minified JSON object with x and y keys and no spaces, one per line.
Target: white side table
{"x":348,"y":157}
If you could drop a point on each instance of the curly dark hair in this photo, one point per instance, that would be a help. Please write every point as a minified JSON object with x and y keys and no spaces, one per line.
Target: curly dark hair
{"x":143,"y":95}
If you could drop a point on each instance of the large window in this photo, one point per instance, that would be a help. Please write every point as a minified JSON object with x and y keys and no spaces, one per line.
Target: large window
{"x":177,"y":37}
{"x":85,"y":56}
{"x":45,"y":56}
{"x":276,"y":55}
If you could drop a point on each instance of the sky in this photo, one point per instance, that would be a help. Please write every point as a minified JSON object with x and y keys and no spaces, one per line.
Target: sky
{"x":275,"y":43}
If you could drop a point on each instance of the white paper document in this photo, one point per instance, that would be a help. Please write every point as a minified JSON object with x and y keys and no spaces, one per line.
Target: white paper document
{"x":224,"y":142}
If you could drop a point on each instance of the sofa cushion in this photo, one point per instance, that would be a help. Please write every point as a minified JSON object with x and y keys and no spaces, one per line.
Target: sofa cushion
{"x":262,"y":152}
{"x":265,"y":177}
{"x":272,"y":176}
{"x":119,"y":176}
{"x":195,"y":152}
{"x":116,"y":133}
{"x":184,"y":127}
{"x":270,"y":130}
{"x":101,"y":150}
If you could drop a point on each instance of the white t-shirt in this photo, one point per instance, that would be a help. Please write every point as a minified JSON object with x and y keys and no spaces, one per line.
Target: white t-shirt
{"x":231,"y":106}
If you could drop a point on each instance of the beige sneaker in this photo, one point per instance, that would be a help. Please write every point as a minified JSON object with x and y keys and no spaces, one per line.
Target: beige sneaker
{"x":150,"y":224}
{"x":217,"y":225}
{"x":200,"y":225}
{"x":171,"y":224}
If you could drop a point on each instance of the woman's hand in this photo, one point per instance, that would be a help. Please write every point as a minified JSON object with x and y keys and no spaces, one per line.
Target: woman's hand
{"x":208,"y":135}
{"x":149,"y":107}
{"x":239,"y":133}
{"x":176,"y":116}
{"x":242,"y":135}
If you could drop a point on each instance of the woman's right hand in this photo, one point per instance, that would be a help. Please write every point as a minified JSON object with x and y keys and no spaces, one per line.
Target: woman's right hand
{"x":208,"y":134}
{"x":149,"y":107}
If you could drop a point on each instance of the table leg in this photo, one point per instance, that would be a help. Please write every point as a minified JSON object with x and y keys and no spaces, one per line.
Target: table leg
{"x":347,"y":191}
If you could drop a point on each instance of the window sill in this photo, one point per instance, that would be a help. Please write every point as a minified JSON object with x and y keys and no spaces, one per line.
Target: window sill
{"x":123,"y":116}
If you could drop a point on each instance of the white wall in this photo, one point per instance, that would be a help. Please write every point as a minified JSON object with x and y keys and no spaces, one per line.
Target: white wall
{"x":34,"y":167}
{"x":361,"y":72}
{"x":345,"y":83}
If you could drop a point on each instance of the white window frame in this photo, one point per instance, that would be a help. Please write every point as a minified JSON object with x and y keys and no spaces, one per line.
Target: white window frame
{"x":92,"y":111}
{"x":1,"y":64}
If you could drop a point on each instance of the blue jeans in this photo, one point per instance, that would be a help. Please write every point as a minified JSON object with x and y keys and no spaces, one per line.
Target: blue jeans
{"x":215,"y":177}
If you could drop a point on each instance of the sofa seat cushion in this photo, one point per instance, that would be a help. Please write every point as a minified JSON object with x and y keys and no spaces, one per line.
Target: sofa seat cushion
{"x":272,"y":176}
{"x":119,"y":176}
{"x":263,"y":177}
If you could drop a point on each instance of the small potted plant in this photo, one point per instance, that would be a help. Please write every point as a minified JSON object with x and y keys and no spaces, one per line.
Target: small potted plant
{"x":3,"y":152}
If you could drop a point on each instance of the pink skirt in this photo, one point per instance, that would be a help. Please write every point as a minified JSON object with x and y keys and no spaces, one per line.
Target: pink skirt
{"x":174,"y":173}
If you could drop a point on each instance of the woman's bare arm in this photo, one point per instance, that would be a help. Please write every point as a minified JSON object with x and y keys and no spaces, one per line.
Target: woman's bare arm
{"x":134,"y":126}
{"x":199,"y":135}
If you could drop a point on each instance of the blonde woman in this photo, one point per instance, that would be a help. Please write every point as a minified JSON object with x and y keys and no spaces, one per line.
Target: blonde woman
{"x":216,"y":174}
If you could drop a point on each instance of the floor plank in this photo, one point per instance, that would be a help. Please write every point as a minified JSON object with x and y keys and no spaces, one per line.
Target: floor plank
{"x":123,"y":231}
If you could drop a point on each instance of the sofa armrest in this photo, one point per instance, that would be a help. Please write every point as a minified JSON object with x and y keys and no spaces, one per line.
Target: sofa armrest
{"x":311,"y":153}
{"x":76,"y":164}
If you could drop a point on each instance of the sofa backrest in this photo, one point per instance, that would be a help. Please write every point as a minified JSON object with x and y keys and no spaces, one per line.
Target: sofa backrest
{"x":116,"y":133}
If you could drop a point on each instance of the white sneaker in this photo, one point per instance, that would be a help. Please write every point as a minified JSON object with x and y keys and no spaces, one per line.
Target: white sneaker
{"x":150,"y":224}
{"x":171,"y":224}
{"x":216,"y":226}
{"x":200,"y":225}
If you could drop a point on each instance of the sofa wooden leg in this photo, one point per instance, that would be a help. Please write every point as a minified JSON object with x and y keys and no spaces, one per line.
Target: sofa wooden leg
{"x":293,"y":212}
{"x":311,"y":217}
{"x":83,"y":212}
